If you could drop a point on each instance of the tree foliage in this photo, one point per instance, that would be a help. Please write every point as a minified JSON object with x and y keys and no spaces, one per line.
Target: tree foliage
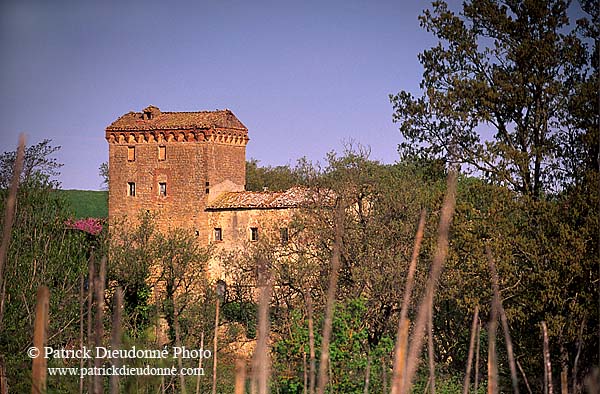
{"x":277,"y":178}
{"x":38,"y":166}
{"x":511,"y":92}
{"x":515,"y":70}
{"x":103,"y":173}
{"x":44,"y":251}
{"x":545,"y":251}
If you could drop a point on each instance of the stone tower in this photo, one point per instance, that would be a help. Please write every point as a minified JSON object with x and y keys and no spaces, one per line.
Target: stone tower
{"x":173,"y":164}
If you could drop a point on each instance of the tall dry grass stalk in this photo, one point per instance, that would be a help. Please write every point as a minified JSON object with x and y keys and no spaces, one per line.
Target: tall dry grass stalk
{"x":9,"y":218}
{"x":200,"y":364}
{"x":492,"y":361}
{"x":240,"y":376}
{"x":305,"y":374}
{"x":90,"y":303}
{"x":577,"y":355}
{"x":311,"y":344}
{"x":367,"y":376}
{"x":525,"y":378}
{"x":493,"y":328}
{"x":176,"y":324}
{"x":400,"y":356}
{"x":548,"y":387}
{"x":477,"y":344}
{"x":261,"y":363}
{"x":509,"y":349}
{"x":40,"y":337}
{"x":430,"y":349}
{"x":81,"y":338}
{"x":439,"y":258}
{"x":500,"y":310}
{"x":384,"y":378}
{"x":331,"y":294}
{"x":89,"y":315}
{"x":401,"y":343}
{"x":467,"y":380}
{"x":115,"y":336}
{"x":564,"y":385}
{"x":592,"y":381}
{"x":99,"y":329}
{"x":215,"y":346}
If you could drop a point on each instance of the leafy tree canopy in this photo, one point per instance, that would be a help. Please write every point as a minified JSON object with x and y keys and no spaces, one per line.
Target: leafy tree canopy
{"x":520,"y":70}
{"x":38,"y":165}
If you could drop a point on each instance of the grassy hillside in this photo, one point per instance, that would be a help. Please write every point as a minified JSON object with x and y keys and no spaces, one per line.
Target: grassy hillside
{"x":87,"y":203}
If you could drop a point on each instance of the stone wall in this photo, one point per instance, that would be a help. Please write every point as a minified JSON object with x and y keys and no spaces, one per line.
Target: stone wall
{"x":188,"y":172}
{"x":235,"y":226}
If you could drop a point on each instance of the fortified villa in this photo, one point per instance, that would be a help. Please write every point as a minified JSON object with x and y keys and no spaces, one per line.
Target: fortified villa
{"x":189,"y":168}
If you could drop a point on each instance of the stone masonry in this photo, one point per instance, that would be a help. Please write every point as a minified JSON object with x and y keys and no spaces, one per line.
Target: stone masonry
{"x":173,"y":164}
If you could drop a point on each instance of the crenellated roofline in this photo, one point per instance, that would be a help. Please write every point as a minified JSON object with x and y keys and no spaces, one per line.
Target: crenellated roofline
{"x":224,"y":136}
{"x":154,"y":126}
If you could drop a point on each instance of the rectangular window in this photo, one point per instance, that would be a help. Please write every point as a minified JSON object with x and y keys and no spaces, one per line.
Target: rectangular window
{"x":284,"y":235}
{"x":218,"y":234}
{"x":162,"y":189}
{"x":130,"y":153}
{"x":253,"y":233}
{"x":162,"y":153}
{"x":131,"y":189}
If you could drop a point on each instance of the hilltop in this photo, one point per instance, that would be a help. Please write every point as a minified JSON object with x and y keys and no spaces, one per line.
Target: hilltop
{"x":87,"y":203}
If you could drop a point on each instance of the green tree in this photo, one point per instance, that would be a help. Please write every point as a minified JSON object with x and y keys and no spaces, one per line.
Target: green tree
{"x":181,"y":266}
{"x":43,"y":251}
{"x":275,"y":178}
{"x":132,"y":252}
{"x":103,"y":172}
{"x":38,"y":166}
{"x":350,"y":351}
{"x":510,"y":91}
{"x":510,"y":69}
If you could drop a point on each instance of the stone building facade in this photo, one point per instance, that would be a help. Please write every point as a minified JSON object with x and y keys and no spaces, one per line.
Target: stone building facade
{"x":189,"y":168}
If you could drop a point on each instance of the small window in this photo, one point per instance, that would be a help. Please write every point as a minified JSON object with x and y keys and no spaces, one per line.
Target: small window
{"x":253,"y":233}
{"x":197,"y":233}
{"x":131,"y":189}
{"x":218,"y":234}
{"x":162,"y":189}
{"x":162,"y":153}
{"x":284,"y":235}
{"x":130,"y":153}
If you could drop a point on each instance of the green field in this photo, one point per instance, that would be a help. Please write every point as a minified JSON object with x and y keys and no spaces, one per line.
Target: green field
{"x":87,"y":203}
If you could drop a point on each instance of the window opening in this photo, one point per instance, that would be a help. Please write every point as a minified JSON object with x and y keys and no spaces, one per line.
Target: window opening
{"x":254,"y":233}
{"x":284,"y":235}
{"x":131,"y":189}
{"x":130,"y":153}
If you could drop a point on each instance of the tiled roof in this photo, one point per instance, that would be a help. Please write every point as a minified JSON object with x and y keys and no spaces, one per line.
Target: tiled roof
{"x":177,"y":120}
{"x":291,"y":198}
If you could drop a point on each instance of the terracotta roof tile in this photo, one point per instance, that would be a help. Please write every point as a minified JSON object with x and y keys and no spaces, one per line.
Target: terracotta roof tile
{"x":177,"y":120}
{"x":291,"y":198}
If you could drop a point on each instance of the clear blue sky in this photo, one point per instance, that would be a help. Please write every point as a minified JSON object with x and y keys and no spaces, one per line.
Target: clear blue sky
{"x":303,"y":76}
